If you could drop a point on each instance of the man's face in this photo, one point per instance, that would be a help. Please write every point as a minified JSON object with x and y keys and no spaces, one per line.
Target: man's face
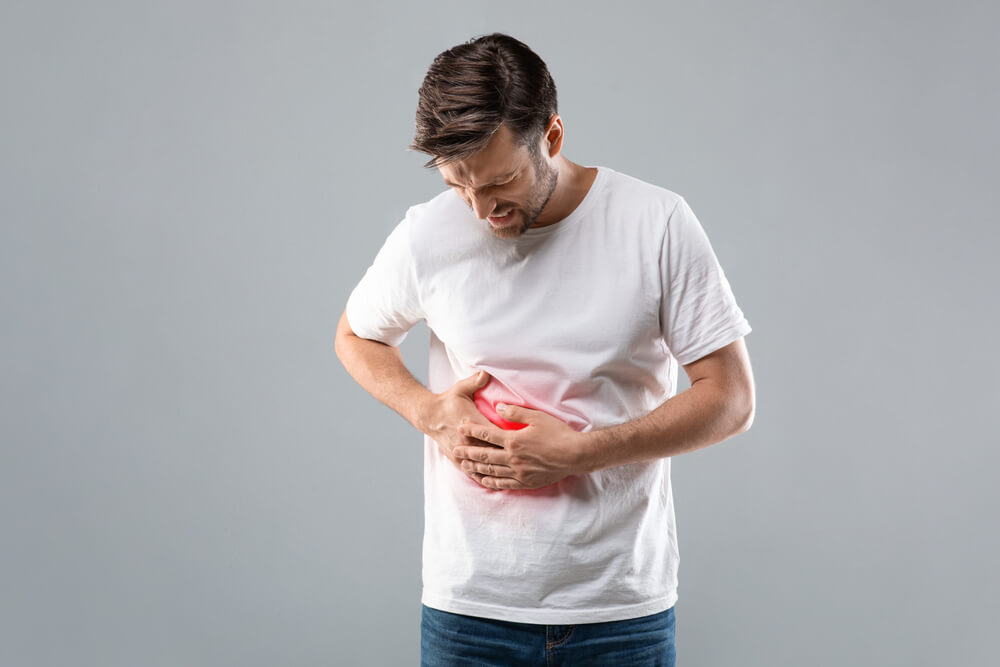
{"x":503,"y":184}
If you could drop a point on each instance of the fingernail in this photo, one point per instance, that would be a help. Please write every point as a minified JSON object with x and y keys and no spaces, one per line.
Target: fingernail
{"x":501,"y":407}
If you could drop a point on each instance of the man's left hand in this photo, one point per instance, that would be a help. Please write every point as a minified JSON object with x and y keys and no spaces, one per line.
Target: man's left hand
{"x":542,"y":453}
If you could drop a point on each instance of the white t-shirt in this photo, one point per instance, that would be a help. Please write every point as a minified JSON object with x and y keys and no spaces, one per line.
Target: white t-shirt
{"x":586,"y":319}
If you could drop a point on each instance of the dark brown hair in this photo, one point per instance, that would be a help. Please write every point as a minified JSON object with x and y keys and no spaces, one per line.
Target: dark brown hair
{"x":472,"y":89}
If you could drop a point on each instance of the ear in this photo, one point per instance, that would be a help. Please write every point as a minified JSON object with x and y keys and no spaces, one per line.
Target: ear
{"x":553,"y":136}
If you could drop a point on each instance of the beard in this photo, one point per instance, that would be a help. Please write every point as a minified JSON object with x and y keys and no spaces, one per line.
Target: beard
{"x":546,"y":178}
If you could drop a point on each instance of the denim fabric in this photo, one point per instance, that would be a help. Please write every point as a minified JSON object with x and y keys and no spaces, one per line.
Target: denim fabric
{"x":451,"y":640}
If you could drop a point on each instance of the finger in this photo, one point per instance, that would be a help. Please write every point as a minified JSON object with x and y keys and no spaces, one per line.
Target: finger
{"x":473,"y":383}
{"x":477,"y":478}
{"x":499,"y":483}
{"x":492,"y":455}
{"x":477,"y":420}
{"x":470,"y":441}
{"x":490,"y":434}
{"x":517,"y":413}
{"x":488,"y":469}
{"x":513,"y":416}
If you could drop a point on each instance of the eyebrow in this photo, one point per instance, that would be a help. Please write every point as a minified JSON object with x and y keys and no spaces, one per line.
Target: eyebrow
{"x":502,"y":179}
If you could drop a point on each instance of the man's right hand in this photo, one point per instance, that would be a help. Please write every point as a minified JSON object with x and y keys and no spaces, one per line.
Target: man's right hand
{"x":442,"y":415}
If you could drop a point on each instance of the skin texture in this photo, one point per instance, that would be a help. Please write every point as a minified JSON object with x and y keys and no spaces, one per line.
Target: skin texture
{"x":543,"y":190}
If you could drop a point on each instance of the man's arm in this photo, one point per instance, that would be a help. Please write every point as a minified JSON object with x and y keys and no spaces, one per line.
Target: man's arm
{"x":719,"y":404}
{"x":380,"y":370}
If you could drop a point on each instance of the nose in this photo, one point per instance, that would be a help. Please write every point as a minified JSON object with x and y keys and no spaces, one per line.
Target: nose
{"x":482,"y":205}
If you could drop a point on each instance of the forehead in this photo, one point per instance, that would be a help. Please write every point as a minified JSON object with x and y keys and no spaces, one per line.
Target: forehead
{"x":502,"y":156}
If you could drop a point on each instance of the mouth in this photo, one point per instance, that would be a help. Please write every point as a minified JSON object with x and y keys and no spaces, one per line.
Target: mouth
{"x":501,"y":220}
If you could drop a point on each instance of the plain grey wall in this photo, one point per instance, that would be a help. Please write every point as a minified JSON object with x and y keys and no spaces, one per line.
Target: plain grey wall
{"x":190,"y":190}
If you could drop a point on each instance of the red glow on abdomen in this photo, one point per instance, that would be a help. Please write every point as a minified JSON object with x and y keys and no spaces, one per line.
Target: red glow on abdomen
{"x":489,"y":410}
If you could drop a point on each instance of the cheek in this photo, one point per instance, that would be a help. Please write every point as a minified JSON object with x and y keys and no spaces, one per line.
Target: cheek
{"x":520,"y":196}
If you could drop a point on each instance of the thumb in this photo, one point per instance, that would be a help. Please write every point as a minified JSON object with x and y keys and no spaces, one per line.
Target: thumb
{"x":514,"y":413}
{"x":473,"y":383}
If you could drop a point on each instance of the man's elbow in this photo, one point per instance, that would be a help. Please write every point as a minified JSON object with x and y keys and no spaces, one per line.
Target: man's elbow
{"x":745,"y":413}
{"x":338,"y":346}
{"x":343,"y":337}
{"x":737,"y":410}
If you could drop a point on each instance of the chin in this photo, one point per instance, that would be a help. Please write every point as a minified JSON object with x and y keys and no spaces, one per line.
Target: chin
{"x":508,"y":232}
{"x":511,"y":231}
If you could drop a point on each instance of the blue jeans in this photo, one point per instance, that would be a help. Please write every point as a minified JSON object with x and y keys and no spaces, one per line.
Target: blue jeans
{"x":450,"y":640}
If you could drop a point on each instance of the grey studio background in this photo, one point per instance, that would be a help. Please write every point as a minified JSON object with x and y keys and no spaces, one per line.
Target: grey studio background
{"x":190,"y":190}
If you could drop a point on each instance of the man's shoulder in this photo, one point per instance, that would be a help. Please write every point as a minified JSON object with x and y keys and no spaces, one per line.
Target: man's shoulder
{"x":442,"y":228}
{"x":442,"y":207}
{"x":632,"y":189}
{"x":639,"y":203}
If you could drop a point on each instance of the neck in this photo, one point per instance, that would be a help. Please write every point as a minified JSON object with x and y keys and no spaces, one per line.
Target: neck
{"x":573,"y":183}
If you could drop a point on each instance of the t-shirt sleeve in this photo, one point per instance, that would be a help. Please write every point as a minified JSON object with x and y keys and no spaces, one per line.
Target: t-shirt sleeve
{"x":698,"y":312}
{"x":385,"y":304}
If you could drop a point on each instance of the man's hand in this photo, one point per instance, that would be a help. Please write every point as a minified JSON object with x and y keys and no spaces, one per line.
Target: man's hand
{"x":543,"y":453}
{"x":442,"y":416}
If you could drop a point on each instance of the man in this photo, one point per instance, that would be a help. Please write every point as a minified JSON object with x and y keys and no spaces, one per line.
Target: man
{"x":563,"y":297}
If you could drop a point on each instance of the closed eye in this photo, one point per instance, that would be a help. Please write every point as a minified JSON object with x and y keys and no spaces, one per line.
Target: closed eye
{"x":509,"y":180}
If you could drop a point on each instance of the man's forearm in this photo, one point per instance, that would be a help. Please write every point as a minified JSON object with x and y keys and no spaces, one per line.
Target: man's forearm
{"x":702,"y":415}
{"x":380,"y":370}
